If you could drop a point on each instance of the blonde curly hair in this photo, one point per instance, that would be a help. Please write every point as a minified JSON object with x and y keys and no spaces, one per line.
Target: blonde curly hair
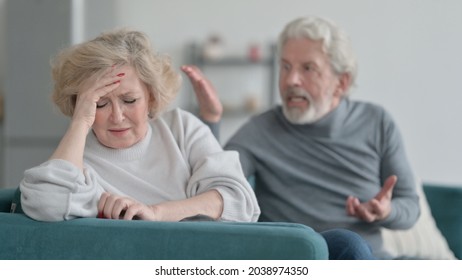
{"x":74,"y":65}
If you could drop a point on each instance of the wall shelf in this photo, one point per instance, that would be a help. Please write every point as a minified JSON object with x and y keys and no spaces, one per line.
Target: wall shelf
{"x":220,"y":64}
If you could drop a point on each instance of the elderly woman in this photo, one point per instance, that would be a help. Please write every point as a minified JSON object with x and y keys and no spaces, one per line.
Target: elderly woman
{"x":123,"y":156}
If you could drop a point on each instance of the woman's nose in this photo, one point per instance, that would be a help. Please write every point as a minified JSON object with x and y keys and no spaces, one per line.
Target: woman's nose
{"x":117,"y":115}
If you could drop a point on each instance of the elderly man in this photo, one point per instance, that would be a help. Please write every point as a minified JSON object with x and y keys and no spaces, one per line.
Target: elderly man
{"x":322,"y":159}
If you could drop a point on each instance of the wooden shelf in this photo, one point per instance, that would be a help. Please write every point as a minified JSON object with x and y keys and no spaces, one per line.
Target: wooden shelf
{"x":268,"y":64}
{"x":233,"y":61}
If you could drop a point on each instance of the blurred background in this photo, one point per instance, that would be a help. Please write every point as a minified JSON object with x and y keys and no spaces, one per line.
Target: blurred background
{"x":408,"y":52}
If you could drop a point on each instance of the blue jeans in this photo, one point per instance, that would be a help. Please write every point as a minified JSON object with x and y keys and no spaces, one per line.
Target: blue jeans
{"x":347,"y":245}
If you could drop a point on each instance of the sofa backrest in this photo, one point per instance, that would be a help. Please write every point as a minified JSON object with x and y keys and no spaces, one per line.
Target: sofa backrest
{"x":446,"y":207}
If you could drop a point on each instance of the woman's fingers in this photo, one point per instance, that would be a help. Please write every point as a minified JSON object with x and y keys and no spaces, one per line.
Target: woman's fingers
{"x":118,"y":207}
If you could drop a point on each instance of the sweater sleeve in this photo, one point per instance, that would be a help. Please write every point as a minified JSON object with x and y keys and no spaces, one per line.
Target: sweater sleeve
{"x":213,"y":168}
{"x":243,"y":142}
{"x":405,"y":201}
{"x":245,"y":156}
{"x":57,"y":190}
{"x":221,"y":171}
{"x":214,"y":128}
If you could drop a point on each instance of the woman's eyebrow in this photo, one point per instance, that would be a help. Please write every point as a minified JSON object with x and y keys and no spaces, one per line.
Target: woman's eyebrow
{"x":129,"y":94}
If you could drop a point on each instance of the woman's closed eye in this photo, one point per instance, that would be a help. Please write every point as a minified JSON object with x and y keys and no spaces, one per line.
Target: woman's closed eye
{"x":101,"y":103}
{"x":130,"y":100}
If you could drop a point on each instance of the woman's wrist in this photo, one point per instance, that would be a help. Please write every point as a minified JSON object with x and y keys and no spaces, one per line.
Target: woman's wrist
{"x":79,"y":126}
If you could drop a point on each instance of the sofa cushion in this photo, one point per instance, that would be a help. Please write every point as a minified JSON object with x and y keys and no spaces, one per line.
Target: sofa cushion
{"x":423,"y":241}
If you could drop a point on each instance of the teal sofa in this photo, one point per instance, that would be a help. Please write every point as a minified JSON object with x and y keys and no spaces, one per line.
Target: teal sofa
{"x":88,"y":238}
{"x":96,"y":239}
{"x":446,"y":207}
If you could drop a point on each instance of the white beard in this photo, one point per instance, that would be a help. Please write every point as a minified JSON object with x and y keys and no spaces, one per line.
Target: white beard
{"x":314,"y":112}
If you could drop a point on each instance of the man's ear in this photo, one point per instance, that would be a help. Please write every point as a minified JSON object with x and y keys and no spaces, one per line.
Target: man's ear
{"x":343,"y":84}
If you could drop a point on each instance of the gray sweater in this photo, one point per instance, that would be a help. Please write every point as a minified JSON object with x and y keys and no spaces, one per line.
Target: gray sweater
{"x":304,"y":173}
{"x":178,"y":159}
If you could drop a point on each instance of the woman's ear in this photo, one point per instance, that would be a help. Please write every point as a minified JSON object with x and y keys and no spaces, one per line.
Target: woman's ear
{"x":151,"y":103}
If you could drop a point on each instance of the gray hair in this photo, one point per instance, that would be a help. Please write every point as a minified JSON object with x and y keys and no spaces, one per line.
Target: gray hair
{"x":74,"y":65}
{"x":336,"y":43}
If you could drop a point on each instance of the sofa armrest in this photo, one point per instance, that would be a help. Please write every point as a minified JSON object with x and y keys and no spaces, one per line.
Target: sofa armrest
{"x":446,"y":207}
{"x":91,"y":238}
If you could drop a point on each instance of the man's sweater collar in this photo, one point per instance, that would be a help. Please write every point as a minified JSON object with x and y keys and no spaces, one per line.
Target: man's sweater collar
{"x":327,"y":126}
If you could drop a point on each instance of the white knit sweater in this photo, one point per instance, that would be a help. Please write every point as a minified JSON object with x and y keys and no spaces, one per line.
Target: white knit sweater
{"x":178,"y":159}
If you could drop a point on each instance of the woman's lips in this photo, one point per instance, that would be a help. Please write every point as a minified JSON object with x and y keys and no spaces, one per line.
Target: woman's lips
{"x":118,"y":131}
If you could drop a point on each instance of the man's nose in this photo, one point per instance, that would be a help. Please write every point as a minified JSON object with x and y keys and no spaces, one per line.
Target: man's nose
{"x":294,"y":78}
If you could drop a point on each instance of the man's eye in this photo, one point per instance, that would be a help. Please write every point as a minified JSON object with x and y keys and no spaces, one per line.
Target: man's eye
{"x":311,"y":67}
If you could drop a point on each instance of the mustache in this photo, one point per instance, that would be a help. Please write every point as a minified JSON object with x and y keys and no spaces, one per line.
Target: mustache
{"x":298,"y":92}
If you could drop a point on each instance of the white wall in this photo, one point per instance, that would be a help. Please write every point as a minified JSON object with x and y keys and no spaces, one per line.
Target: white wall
{"x":408,"y":51}
{"x":2,"y":38}
{"x":2,"y":71}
